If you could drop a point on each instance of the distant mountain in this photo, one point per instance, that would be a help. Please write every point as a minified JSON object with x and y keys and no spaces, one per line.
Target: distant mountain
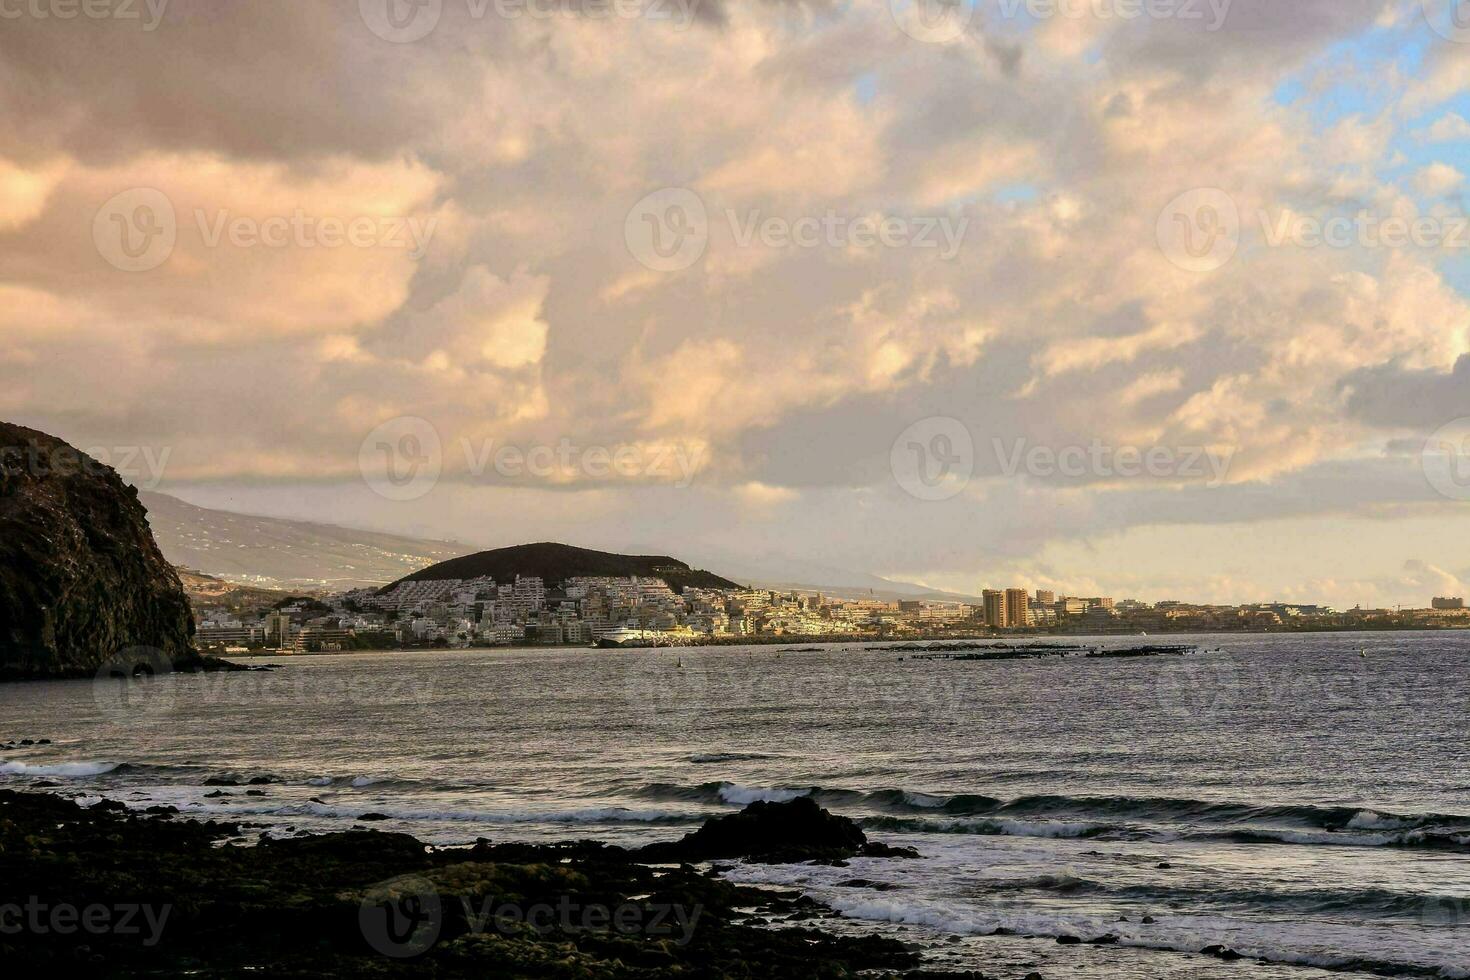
{"x":784,"y":574}
{"x":274,"y":553}
{"x":555,"y":563}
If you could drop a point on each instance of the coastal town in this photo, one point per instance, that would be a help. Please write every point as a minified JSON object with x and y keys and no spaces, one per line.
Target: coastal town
{"x":646,"y":611}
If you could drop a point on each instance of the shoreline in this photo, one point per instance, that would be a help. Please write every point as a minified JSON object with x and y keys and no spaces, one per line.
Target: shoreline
{"x":157,"y":892}
{"x":799,"y":639}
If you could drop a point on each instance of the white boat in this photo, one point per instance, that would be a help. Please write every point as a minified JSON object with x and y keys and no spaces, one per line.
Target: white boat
{"x":634,"y":636}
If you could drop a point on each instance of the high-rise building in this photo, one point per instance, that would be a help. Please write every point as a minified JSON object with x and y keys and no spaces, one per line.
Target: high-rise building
{"x":1045,"y":597}
{"x":1018,"y":608}
{"x":995,"y":609}
{"x":1454,"y":602}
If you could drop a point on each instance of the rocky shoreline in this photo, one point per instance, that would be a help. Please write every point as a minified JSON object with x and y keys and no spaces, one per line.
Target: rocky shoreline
{"x":124,"y":893}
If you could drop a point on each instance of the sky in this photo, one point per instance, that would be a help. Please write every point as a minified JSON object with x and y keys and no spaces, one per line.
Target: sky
{"x":1152,"y":298}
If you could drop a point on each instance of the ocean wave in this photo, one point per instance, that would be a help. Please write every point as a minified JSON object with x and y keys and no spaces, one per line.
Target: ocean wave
{"x":995,"y":827}
{"x":1192,"y":936}
{"x":709,"y":757}
{"x":59,"y":770}
{"x":1458,"y":842}
{"x":588,"y":815}
{"x":1357,"y":903}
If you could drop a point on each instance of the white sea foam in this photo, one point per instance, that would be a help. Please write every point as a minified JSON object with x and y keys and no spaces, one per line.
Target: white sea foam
{"x":745,"y":795}
{"x":1369,"y":820}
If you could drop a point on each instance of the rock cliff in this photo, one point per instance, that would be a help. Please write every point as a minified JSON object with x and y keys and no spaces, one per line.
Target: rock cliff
{"x":81,"y":579}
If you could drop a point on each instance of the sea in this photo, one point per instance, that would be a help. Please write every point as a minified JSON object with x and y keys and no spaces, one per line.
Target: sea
{"x":1300,"y":800}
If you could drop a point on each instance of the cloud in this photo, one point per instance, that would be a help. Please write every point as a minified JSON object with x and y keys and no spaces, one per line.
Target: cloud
{"x":525,"y":317}
{"x":1438,"y":179}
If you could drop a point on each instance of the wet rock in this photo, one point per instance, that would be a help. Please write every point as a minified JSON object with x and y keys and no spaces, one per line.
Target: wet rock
{"x":372,"y":816}
{"x":772,"y":833}
{"x":1222,"y":953}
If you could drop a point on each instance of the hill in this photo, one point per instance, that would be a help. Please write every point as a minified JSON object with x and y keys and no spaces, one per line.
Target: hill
{"x":82,"y":583}
{"x":555,"y":563}
{"x":210,"y":594}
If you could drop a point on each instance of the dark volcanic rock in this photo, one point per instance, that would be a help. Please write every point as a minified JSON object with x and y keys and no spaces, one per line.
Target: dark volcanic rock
{"x":81,"y":579}
{"x":774,"y":833}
